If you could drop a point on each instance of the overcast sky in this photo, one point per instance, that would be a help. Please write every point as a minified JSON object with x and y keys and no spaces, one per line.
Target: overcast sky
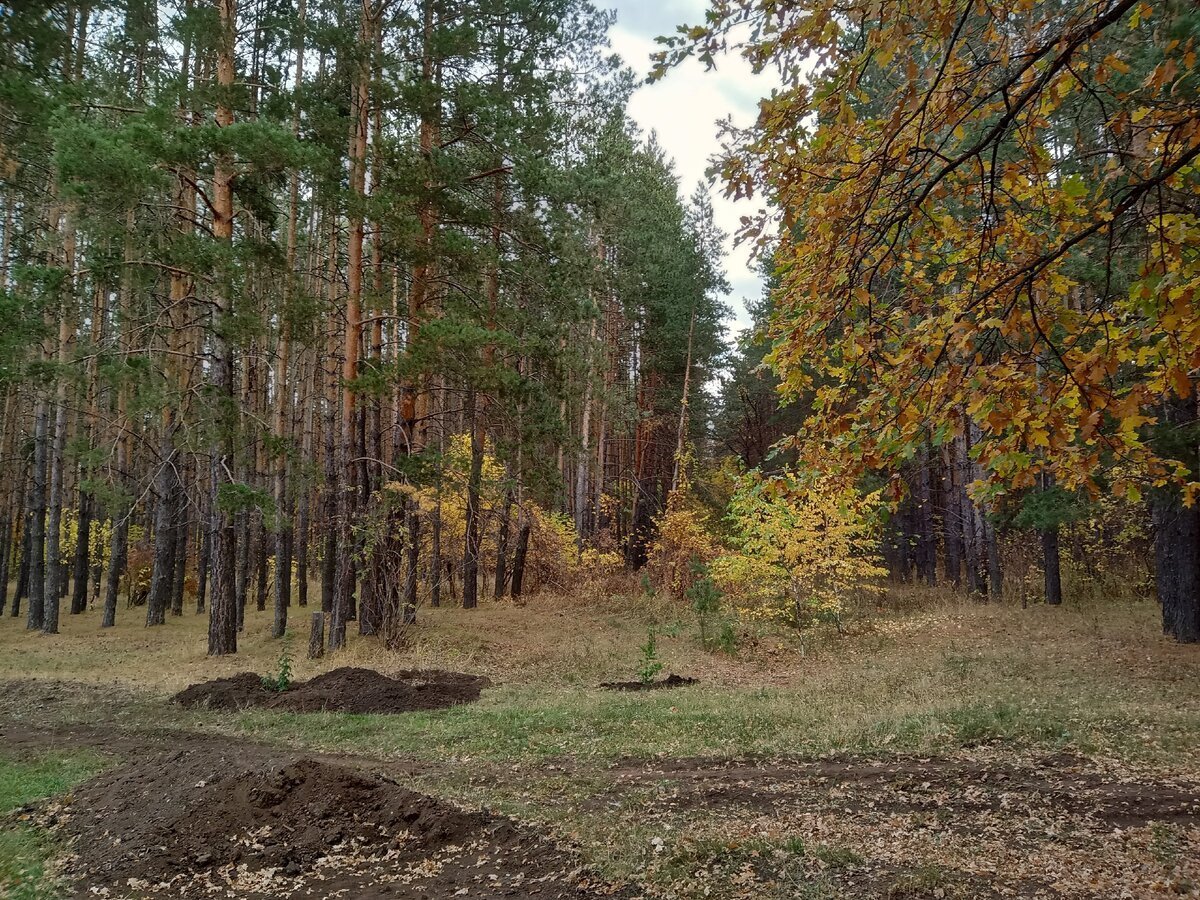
{"x":684,"y":108}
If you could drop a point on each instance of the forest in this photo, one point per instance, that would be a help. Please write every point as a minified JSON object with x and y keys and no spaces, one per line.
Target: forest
{"x":375,"y":401}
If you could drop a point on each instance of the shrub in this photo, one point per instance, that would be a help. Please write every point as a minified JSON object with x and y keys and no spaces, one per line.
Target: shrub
{"x":685,"y":540}
{"x":805,"y":545}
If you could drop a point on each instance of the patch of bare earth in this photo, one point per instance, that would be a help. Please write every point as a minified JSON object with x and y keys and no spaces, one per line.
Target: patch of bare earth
{"x":346,"y":689}
{"x":991,"y":824}
{"x":239,"y":820}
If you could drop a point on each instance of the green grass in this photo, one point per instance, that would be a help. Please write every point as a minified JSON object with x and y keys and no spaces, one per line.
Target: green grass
{"x":24,"y":849}
{"x":530,"y":723}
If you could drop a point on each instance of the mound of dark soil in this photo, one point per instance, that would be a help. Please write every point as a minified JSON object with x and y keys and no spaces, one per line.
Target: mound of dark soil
{"x":671,"y":681}
{"x":235,"y":692}
{"x":341,"y":690}
{"x":175,"y":826}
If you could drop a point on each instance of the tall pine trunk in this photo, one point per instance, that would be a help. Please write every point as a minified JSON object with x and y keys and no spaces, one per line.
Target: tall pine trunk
{"x":470,"y":596}
{"x":36,"y":522}
{"x":222,"y":628}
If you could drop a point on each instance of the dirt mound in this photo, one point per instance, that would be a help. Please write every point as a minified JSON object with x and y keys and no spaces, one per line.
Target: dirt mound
{"x":366,"y":691}
{"x":346,"y":689}
{"x":671,"y":681}
{"x":235,"y":692}
{"x":175,"y":826}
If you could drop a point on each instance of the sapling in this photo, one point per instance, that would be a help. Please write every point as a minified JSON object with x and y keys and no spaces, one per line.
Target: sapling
{"x":651,"y":664}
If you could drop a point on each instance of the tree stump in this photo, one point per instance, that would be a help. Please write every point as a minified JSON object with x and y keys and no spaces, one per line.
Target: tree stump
{"x":316,"y":638}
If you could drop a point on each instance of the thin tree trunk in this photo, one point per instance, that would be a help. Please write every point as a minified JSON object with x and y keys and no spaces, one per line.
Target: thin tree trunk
{"x":163,"y":573}
{"x":951,"y":517}
{"x":501,"y":579}
{"x":222,"y":631}
{"x":681,"y":430}
{"x":182,"y":527}
{"x":37,"y":520}
{"x":83,"y":548}
{"x":435,"y":557}
{"x":926,"y":541}
{"x":471,"y":542}
{"x":970,"y":544}
{"x":995,"y":571}
{"x":283,"y":390}
{"x":54,"y":562}
{"x":22,"y":591}
{"x":518,"y":574}
{"x":1052,"y":565}
{"x":411,"y":575}
{"x":204,"y":557}
{"x":5,"y":557}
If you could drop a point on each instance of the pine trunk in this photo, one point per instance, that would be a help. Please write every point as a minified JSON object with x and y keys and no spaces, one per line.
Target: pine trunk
{"x":37,"y":520}
{"x":223,"y":619}
{"x":470,"y":597}
{"x":82,"y":561}
{"x":519,"y":554}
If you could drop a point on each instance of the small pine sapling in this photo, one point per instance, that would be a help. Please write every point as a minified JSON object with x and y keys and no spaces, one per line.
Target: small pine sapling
{"x":282,"y":679}
{"x":651,"y":664}
{"x":706,"y":603}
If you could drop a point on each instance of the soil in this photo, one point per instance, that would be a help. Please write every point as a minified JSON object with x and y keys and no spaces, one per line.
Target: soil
{"x":241,"y":820}
{"x":1060,"y":783}
{"x":346,"y":689}
{"x":995,"y":824}
{"x":671,"y":681}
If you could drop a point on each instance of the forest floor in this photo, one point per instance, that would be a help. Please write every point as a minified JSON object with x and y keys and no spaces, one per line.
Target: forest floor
{"x":943,"y":750}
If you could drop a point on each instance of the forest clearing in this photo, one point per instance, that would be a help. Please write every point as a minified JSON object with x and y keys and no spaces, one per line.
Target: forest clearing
{"x":948,"y":750}
{"x":527,"y":449}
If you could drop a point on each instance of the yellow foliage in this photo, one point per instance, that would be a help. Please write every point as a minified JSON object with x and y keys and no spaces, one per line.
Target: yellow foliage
{"x":806,"y":544}
{"x":99,"y":538}
{"x":685,"y":540}
{"x":552,"y":558}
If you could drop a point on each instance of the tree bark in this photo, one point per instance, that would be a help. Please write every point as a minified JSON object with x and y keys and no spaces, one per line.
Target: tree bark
{"x":83,"y":549}
{"x":951,"y":517}
{"x":163,"y":573}
{"x":518,"y":575}
{"x":681,"y":430}
{"x":926,"y":542}
{"x":222,"y":630}
{"x":435,"y":557}
{"x":316,"y":636}
{"x":501,"y":579}
{"x":37,"y":520}
{"x":411,"y":574}
{"x":470,"y":597}
{"x":182,"y":527}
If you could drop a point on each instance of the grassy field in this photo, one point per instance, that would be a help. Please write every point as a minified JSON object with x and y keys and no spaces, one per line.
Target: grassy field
{"x":929,"y":676}
{"x":1098,"y":678}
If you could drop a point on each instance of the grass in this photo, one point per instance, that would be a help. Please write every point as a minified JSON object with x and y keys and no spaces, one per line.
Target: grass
{"x":928,"y":674}
{"x":1097,"y":678}
{"x":24,"y":850}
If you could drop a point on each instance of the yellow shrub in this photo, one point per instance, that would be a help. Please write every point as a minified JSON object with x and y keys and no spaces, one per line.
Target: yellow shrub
{"x":805,"y":545}
{"x":685,"y":539}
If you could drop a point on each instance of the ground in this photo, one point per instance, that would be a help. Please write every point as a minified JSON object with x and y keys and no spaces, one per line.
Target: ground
{"x":937,"y":749}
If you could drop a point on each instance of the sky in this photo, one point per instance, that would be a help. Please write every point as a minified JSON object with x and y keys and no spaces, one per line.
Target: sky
{"x":684,"y":108}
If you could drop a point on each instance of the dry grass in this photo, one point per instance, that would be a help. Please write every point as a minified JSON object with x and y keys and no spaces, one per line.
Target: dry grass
{"x":548,"y":639}
{"x":928,"y":672}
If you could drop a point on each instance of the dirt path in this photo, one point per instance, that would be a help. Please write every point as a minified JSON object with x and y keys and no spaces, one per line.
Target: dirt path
{"x":993,"y":823}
